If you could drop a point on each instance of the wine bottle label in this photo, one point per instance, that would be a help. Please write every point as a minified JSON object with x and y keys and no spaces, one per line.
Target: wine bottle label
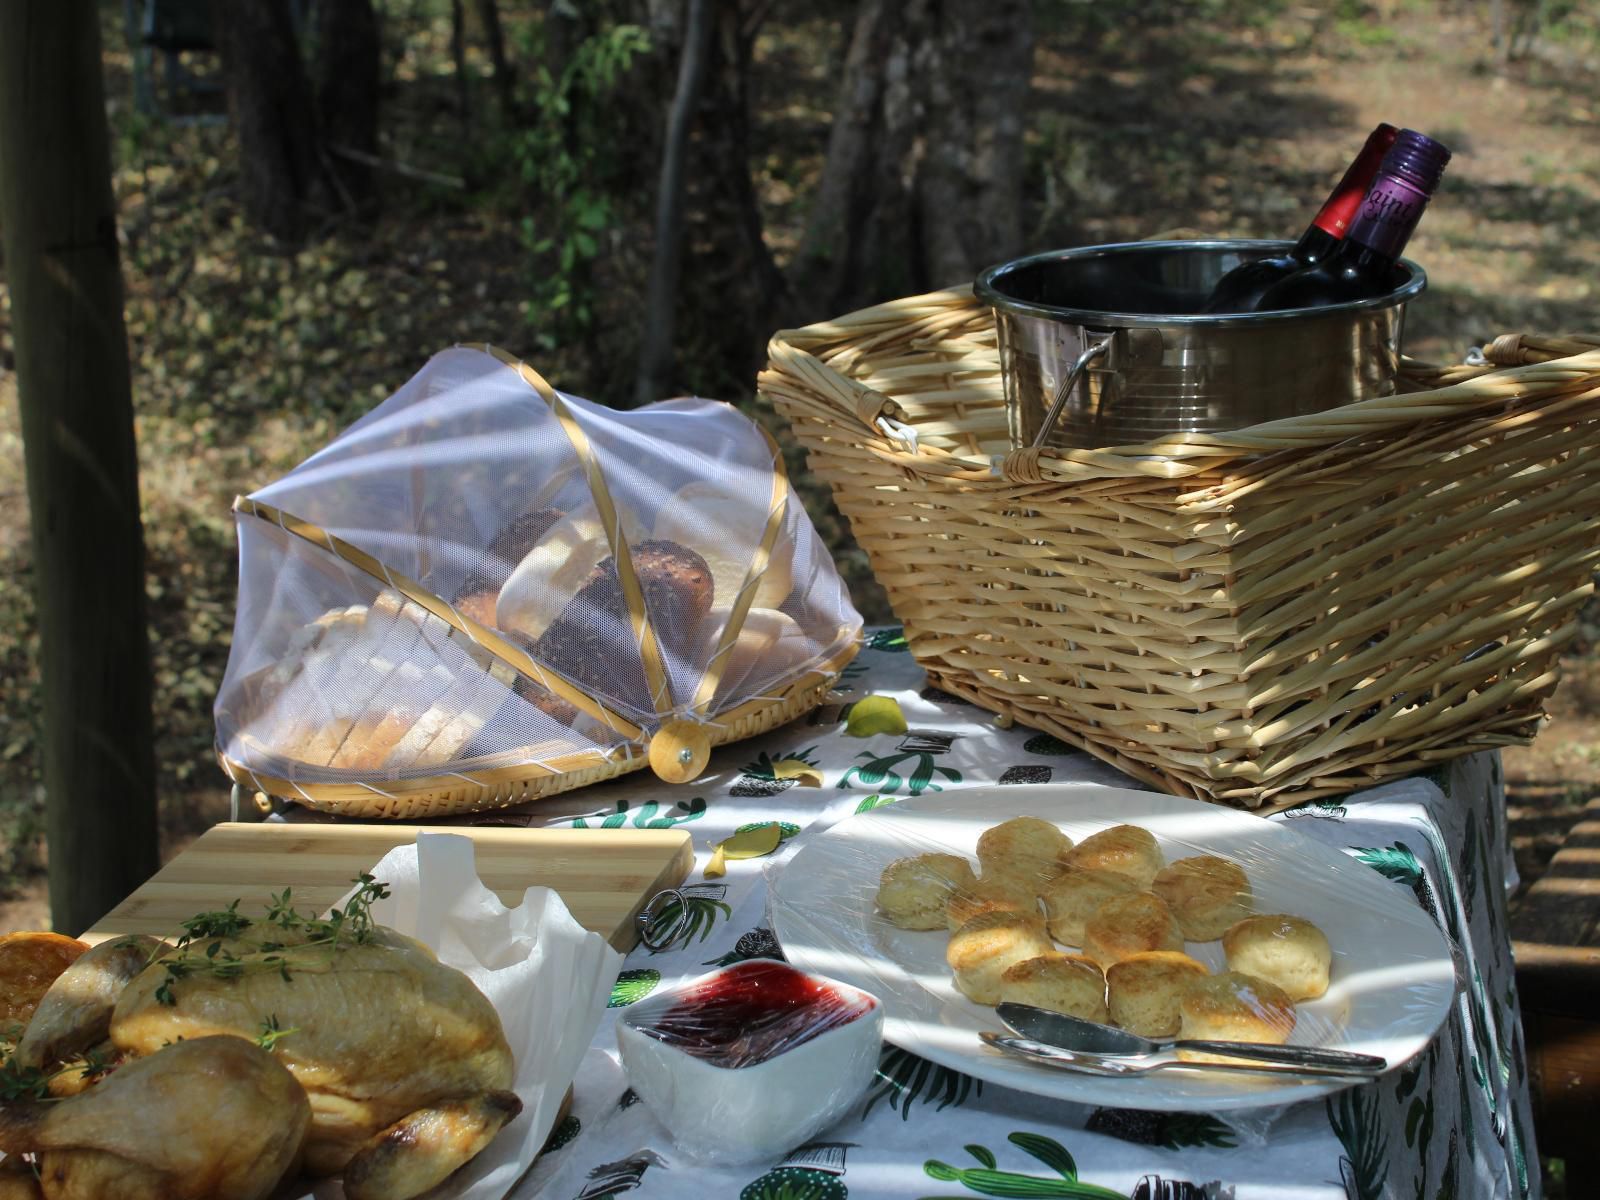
{"x":1388,"y":215}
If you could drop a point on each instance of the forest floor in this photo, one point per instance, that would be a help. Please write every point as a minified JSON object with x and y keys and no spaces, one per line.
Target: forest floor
{"x":246,"y":359}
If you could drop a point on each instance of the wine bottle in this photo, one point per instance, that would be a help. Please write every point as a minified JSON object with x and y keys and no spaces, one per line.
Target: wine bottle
{"x":1242,"y":287}
{"x":1363,"y":265}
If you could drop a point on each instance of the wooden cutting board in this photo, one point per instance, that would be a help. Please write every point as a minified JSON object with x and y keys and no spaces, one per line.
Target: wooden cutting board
{"x":605,"y":876}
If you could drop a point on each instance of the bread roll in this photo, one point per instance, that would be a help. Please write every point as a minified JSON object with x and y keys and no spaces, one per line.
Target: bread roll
{"x":1144,"y":991}
{"x":1130,"y":925}
{"x":548,"y":576}
{"x":1027,"y":849}
{"x":912,"y":892}
{"x":1207,"y":894}
{"x":767,"y":642}
{"x":988,"y":895}
{"x":1289,"y":951}
{"x":1123,"y":849}
{"x":593,"y":643}
{"x":1074,"y":897}
{"x":1234,"y":1007}
{"x":1063,"y":983}
{"x":695,"y":517}
{"x":981,"y":951}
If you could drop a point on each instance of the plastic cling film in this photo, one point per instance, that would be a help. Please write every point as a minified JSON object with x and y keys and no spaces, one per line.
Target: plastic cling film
{"x":745,"y":1063}
{"x":1165,"y":917}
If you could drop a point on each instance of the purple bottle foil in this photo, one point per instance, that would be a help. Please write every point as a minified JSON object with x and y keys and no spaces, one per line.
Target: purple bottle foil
{"x":1411,"y":171}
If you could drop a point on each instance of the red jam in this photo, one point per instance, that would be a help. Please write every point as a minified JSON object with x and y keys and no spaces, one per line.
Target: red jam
{"x":753,"y":1012}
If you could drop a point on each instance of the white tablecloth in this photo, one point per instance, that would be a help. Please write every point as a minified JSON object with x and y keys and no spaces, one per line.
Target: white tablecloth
{"x":1452,"y":1123}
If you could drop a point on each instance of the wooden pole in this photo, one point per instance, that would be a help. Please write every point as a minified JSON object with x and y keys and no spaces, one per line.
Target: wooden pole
{"x":58,"y":222}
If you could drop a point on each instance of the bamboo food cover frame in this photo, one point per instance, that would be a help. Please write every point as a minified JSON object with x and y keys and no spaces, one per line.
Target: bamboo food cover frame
{"x":1300,"y":608}
{"x":682,"y":739}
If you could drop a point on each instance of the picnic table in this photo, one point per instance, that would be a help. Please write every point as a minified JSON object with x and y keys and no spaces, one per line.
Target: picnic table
{"x":1454,"y":1122}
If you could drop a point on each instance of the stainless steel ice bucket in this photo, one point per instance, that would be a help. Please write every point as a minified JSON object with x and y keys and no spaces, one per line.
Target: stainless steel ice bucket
{"x":1123,"y":319}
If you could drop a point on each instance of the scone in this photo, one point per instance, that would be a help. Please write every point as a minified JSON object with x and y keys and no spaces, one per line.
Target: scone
{"x":1072,"y":899}
{"x":1207,"y":894}
{"x":912,"y":892}
{"x":1130,"y":925}
{"x":981,"y":951}
{"x":1025,"y":848}
{"x":1234,"y":1007}
{"x":1290,"y":951}
{"x":1063,"y":983}
{"x":1124,"y":849}
{"x":989,"y":895}
{"x":1144,"y":991}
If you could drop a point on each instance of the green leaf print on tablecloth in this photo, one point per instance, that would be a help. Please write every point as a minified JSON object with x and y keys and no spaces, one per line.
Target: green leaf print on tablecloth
{"x":904,"y":1078}
{"x":646,"y":817}
{"x":795,"y":1183}
{"x":986,"y":1180}
{"x":698,"y":915}
{"x":632,"y":986}
{"x":878,"y":772}
{"x":1354,"y":1118}
{"x":563,"y":1134}
{"x":875,"y":801}
{"x":1400,"y":863}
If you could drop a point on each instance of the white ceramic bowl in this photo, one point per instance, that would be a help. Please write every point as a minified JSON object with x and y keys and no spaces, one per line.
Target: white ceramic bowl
{"x":745,"y":1113}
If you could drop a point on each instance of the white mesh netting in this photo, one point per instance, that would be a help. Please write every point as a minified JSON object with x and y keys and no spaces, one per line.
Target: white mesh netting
{"x":473,"y":486}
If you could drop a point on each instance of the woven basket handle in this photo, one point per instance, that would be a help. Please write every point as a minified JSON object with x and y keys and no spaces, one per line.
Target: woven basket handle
{"x":830,"y":393}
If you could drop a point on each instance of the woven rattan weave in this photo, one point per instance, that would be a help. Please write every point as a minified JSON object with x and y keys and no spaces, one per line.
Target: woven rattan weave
{"x":1295,"y":609}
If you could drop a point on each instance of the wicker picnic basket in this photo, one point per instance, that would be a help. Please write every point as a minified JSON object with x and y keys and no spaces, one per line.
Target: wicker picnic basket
{"x":486,"y":591}
{"x":1295,"y":609}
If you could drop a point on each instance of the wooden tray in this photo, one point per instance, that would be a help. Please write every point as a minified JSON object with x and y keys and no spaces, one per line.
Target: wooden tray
{"x":605,"y":876}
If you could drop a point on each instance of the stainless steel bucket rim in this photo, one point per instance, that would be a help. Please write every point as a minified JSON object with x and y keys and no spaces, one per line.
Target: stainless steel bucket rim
{"x":986,"y":290}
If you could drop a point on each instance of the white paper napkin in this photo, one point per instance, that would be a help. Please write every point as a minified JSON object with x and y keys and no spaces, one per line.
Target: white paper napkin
{"x":546,"y":975}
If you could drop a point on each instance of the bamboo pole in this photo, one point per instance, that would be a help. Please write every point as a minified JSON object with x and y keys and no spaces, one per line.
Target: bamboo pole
{"x":58,"y":221}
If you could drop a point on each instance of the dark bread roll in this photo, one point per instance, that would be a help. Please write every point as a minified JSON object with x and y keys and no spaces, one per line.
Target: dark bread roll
{"x":502,"y":554}
{"x":591,"y":642}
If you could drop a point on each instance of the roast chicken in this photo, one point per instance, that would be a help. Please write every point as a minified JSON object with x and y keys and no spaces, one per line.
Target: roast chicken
{"x":272,"y":1047}
{"x":208,"y":1119}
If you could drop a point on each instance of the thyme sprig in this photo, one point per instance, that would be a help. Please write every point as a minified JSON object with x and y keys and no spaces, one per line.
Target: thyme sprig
{"x":19,"y":1083}
{"x":341,"y":928}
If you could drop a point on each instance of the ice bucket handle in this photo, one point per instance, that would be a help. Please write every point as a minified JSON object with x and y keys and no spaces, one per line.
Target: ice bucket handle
{"x":1089,"y":355}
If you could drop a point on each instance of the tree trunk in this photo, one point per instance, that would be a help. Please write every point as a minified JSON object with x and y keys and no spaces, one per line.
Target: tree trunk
{"x":922,"y":185}
{"x":348,"y":67}
{"x":661,"y":299}
{"x":280,"y":175}
{"x":458,"y":59}
{"x":489,"y":18}
{"x":58,"y":221}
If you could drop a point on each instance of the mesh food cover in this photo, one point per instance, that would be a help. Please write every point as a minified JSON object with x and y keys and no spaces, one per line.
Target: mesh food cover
{"x":487,"y":590}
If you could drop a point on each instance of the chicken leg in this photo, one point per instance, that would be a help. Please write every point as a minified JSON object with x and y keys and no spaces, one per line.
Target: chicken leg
{"x":421,"y":1150}
{"x":198,"y":1120}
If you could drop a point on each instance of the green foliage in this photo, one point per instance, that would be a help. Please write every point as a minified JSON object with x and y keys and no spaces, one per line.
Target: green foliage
{"x":987,"y":1180}
{"x":645,"y":817}
{"x":903,"y":1078}
{"x":570,"y":160}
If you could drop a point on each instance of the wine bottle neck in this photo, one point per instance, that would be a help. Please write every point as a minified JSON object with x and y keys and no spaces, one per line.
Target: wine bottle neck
{"x":1387,"y":217}
{"x":1340,"y":208}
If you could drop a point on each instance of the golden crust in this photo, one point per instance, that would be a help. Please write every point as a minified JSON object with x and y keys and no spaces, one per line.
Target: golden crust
{"x":1027,"y":849}
{"x":1234,"y":1007}
{"x":1144,"y":990}
{"x":912,"y":892}
{"x":1289,"y":951}
{"x":981,"y":950}
{"x":1129,"y":925}
{"x":29,"y":964}
{"x":1072,"y":899}
{"x":986,"y":895}
{"x":1125,"y":849}
{"x":1206,"y":893}
{"x":1063,"y":983}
